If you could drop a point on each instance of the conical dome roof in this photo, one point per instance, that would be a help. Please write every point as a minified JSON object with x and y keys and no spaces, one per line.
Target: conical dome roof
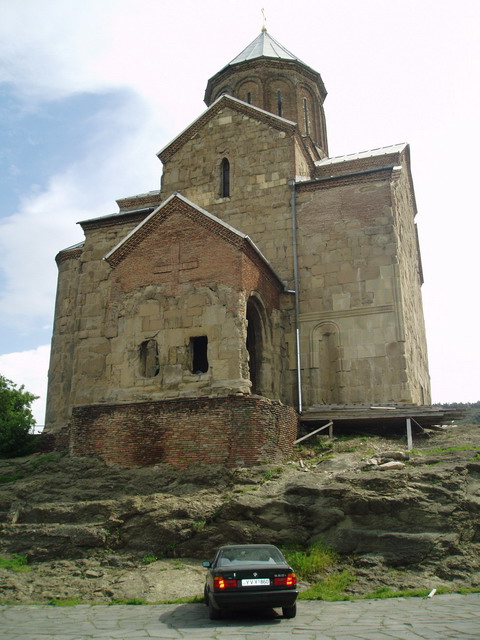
{"x":264,"y":46}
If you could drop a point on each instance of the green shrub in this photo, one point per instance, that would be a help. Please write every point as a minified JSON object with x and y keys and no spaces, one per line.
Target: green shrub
{"x":310,"y":563}
{"x":16,"y":562}
{"x":16,"y":420}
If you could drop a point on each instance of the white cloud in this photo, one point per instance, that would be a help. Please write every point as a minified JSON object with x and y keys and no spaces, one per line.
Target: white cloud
{"x":29,"y":368}
{"x":46,"y":223}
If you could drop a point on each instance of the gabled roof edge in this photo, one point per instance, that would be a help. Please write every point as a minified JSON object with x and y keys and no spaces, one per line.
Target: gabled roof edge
{"x":211,"y":110}
{"x":204,"y":212}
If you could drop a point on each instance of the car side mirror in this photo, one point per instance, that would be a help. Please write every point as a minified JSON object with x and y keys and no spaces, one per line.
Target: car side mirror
{"x":206,"y":564}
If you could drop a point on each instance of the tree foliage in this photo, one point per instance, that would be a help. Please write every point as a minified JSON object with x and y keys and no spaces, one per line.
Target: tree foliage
{"x":16,"y":419}
{"x":471,"y":411}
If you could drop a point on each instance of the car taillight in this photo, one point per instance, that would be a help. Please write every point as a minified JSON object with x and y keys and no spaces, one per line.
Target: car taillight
{"x":290,"y":580}
{"x":223,"y":583}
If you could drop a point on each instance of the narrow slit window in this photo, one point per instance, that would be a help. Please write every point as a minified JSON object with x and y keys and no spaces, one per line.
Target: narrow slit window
{"x":249,"y":98}
{"x":305,"y":116}
{"x":199,"y":347}
{"x":225,"y":179}
{"x":279,"y":104}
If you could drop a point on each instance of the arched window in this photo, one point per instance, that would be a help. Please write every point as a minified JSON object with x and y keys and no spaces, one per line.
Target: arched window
{"x":306,"y":117}
{"x":279,"y":104}
{"x":225,"y":178}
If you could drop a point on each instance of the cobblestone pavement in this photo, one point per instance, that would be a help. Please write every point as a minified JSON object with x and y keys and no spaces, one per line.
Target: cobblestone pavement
{"x":445,"y":617}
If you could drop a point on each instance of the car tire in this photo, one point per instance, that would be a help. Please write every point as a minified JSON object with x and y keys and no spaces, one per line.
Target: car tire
{"x":213,"y":612}
{"x":289,"y":612}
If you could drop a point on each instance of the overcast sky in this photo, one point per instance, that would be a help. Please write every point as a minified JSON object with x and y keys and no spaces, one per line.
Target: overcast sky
{"x":90,"y":90}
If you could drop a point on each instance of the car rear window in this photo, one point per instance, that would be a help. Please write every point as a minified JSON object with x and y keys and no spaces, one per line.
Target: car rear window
{"x":250,"y":556}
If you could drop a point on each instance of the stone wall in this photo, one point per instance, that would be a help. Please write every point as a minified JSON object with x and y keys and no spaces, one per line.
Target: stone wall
{"x":410,"y":281}
{"x":262,"y":159}
{"x":80,"y":315}
{"x":230,"y":431}
{"x":353,"y":340}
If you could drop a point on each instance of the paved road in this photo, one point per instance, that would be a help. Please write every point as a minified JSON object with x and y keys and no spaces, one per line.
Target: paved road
{"x":445,"y":617}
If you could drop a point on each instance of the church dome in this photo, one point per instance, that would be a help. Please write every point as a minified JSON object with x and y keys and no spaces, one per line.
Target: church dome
{"x":270,"y":77}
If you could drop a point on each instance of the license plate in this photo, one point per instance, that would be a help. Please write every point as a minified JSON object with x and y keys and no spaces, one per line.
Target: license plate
{"x":256,"y":582}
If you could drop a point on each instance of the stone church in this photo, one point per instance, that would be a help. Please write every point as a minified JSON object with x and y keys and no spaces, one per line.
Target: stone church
{"x":264,"y":284}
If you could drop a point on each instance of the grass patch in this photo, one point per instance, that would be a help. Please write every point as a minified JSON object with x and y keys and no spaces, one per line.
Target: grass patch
{"x":16,"y":562}
{"x":177,"y":563}
{"x":46,"y":457}
{"x":386,"y":592}
{"x":310,"y":563}
{"x":70,"y":601}
{"x":444,"y":450}
{"x":331,"y":588}
{"x":149,"y":559}
{"x":317,"y":444}
{"x":11,"y":477}
{"x":271,"y":474}
{"x":132,"y":601}
{"x":465,"y":590}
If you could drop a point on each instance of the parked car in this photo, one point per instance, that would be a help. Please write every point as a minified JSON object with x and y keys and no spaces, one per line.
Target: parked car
{"x":250,"y":576}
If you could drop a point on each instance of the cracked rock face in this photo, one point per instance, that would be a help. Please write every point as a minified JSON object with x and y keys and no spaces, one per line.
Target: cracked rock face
{"x":89,"y":529}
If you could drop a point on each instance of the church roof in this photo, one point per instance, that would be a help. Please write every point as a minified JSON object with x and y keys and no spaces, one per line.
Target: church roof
{"x":264,"y":46}
{"x":264,"y":49}
{"x":381,"y":151}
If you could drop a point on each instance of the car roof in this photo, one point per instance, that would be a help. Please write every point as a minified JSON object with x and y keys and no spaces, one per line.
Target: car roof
{"x":248,"y":546}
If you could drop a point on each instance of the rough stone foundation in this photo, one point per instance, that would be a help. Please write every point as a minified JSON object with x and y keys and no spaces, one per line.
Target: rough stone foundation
{"x":230,"y":431}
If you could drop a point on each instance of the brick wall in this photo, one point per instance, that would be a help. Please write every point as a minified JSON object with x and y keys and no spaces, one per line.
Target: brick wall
{"x":230,"y":431}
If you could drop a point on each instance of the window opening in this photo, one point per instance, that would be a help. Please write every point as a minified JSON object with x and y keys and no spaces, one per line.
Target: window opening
{"x":249,"y":98}
{"x":305,"y":116}
{"x":254,"y":346}
{"x":149,"y":361}
{"x":225,"y":178}
{"x":279,"y":103}
{"x":198,"y":347}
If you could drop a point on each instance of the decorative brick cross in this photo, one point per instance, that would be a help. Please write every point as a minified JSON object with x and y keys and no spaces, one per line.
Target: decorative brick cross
{"x":175,"y":266}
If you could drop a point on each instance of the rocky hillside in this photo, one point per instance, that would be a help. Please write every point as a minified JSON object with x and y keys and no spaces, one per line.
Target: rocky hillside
{"x":89,"y":529}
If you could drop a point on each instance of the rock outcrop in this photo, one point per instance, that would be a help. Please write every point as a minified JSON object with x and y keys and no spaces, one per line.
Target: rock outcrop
{"x":415,"y":525}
